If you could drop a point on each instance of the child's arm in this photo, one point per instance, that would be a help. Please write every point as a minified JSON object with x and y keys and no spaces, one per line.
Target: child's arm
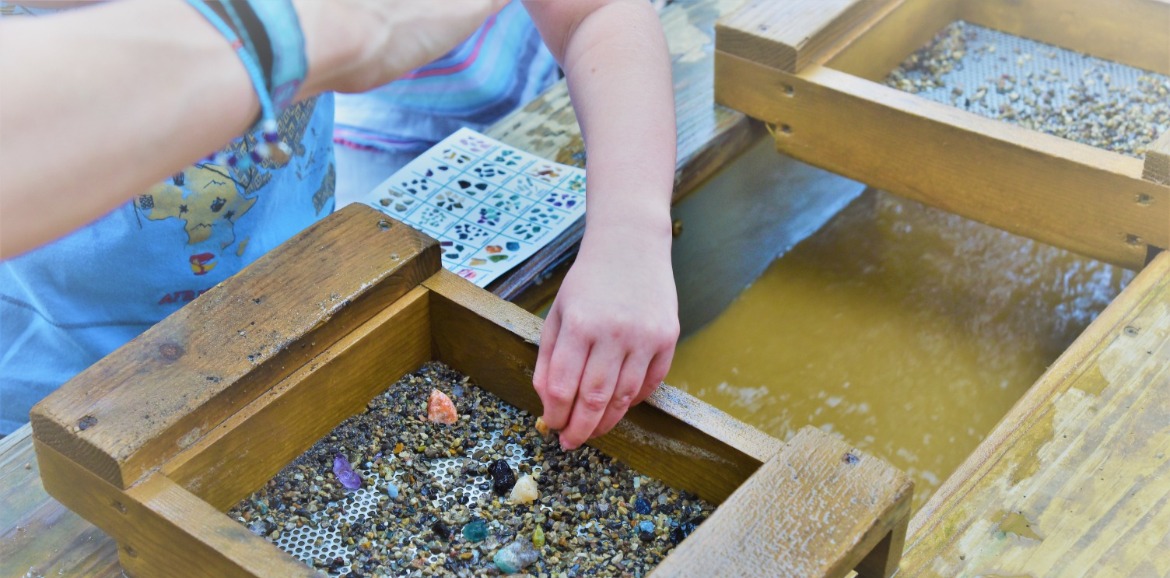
{"x":610,"y":335}
{"x":99,"y":103}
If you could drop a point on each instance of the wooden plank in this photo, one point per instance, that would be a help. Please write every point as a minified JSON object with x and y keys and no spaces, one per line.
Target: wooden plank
{"x":906,"y":26}
{"x":818,"y":508}
{"x":708,"y":135}
{"x":161,"y":392}
{"x":1133,"y":32}
{"x":1157,"y":163}
{"x":38,"y":535}
{"x":250,"y":447}
{"x":790,"y":35}
{"x":1074,"y":481}
{"x":673,"y":436}
{"x":152,"y":518}
{"x":1053,"y":190}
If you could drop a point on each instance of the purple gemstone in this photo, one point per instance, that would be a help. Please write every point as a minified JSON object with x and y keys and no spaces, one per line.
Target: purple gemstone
{"x":345,"y":473}
{"x":271,"y":137}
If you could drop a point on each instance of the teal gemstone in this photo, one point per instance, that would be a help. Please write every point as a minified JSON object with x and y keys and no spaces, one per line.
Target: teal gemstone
{"x":475,"y":530}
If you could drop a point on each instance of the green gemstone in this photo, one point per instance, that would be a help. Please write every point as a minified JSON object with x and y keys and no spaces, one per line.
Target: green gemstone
{"x":475,"y":530}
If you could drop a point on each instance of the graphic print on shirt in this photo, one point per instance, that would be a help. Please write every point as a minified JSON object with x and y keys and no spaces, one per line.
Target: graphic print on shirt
{"x":210,"y":199}
{"x":208,"y":203}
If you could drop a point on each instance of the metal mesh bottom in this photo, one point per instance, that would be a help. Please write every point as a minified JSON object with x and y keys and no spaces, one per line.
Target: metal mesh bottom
{"x":1042,"y":87}
{"x":321,"y":540}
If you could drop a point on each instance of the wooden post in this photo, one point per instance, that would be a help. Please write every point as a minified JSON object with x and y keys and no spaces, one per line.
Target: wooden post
{"x":1157,"y":165}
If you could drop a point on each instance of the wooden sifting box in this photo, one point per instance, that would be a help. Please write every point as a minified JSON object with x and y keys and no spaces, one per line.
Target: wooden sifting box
{"x":812,"y":69}
{"x":154,"y":442}
{"x":1073,"y":480}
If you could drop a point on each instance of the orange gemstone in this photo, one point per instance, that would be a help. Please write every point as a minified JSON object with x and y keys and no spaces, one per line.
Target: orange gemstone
{"x":440,"y":408}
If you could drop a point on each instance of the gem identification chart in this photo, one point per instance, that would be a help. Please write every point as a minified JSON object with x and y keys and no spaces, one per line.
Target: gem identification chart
{"x":489,"y":205}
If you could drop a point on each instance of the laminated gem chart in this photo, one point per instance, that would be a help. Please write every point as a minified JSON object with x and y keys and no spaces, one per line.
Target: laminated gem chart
{"x":489,"y":205}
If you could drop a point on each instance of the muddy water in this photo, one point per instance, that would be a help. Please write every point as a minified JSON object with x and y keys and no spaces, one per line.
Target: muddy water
{"x":906,"y":330}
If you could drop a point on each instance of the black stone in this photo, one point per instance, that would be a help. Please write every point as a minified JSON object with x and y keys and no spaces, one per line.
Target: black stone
{"x":441,"y":530}
{"x":684,"y":529}
{"x":503,"y":478}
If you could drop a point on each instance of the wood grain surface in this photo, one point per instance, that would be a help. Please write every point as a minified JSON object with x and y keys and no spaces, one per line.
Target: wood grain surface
{"x":849,"y":502}
{"x":1063,"y":193}
{"x":1075,"y":480}
{"x":142,"y":404}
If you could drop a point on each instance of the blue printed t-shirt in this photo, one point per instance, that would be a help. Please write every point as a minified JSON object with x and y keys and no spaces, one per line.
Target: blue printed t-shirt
{"x":500,"y":67}
{"x":67,"y":304}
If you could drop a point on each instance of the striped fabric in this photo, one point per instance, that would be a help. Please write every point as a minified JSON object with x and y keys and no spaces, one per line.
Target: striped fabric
{"x":501,"y":66}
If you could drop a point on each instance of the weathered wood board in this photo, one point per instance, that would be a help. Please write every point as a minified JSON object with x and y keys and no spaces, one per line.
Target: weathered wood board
{"x":1075,"y":480}
{"x":218,"y":353}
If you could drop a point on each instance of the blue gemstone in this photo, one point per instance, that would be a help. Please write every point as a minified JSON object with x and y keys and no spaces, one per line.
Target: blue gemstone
{"x":646,"y":530}
{"x":641,"y":506}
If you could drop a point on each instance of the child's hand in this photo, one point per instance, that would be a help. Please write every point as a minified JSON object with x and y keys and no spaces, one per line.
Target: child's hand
{"x":609,"y":338}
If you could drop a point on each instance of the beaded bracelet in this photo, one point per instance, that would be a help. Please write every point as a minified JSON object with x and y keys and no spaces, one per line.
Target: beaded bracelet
{"x":267,"y":38}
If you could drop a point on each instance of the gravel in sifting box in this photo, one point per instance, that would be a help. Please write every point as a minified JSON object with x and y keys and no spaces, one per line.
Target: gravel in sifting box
{"x":1040,"y":87}
{"x":396,"y":492}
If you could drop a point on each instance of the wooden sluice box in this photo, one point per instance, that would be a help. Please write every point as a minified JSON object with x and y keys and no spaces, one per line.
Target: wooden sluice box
{"x":1073,"y":480}
{"x":156,"y":441}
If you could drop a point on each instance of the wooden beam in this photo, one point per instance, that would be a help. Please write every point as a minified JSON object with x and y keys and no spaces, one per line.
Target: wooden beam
{"x":139,"y":406}
{"x":1133,"y":32}
{"x":1157,"y":164}
{"x":1074,"y":480}
{"x":818,"y":508}
{"x":791,"y":35}
{"x":1053,"y":190}
{"x":250,"y":447}
{"x":155,"y":516}
{"x":673,"y":436}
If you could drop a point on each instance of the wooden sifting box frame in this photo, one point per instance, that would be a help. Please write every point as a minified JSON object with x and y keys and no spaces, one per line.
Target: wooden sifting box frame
{"x":154,"y":442}
{"x":812,"y":68}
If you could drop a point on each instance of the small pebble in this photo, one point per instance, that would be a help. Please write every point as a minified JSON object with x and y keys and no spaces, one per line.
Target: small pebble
{"x":525,"y":491}
{"x":440,"y":408}
{"x":441,"y":530}
{"x":646,"y":530}
{"x":641,"y":506}
{"x":515,"y":557}
{"x":542,"y":428}
{"x":503,"y":478}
